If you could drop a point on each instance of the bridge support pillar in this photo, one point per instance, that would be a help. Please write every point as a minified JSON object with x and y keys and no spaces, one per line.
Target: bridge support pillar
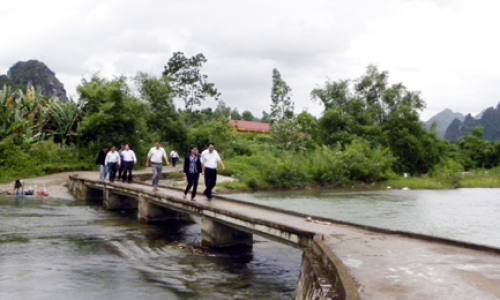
{"x":150,"y":213}
{"x":82,"y":192}
{"x":218,"y":235}
{"x":114,"y":201}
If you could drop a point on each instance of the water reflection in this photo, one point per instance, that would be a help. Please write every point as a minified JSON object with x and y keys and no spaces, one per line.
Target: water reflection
{"x":55,"y":249}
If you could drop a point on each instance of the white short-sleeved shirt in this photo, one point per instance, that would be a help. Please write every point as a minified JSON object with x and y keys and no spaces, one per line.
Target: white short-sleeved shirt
{"x":128,"y":156}
{"x":112,"y":157}
{"x":156,"y":155}
{"x":210,"y":159}
{"x":174,"y":154}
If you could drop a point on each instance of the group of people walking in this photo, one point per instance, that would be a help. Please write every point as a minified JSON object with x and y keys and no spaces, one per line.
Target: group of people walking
{"x":123,"y":162}
{"x":113,"y":161}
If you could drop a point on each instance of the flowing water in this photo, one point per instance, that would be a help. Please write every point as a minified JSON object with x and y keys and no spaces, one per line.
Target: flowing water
{"x":471,"y":215}
{"x":62,"y":249}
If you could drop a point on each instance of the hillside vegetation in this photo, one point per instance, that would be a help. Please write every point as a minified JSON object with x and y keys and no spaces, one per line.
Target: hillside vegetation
{"x":368,"y":132}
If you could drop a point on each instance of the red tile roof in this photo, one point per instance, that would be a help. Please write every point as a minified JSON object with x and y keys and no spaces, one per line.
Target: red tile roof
{"x":249,"y":126}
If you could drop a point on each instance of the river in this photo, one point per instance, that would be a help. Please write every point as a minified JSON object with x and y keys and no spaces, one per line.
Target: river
{"x":60,"y":249}
{"x":470,"y":215}
{"x":63,"y":249}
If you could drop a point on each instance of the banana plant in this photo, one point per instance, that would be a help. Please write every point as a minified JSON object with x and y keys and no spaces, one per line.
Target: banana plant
{"x":64,"y":119}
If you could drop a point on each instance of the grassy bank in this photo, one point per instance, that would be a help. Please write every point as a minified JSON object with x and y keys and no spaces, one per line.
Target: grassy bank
{"x":479,"y":178}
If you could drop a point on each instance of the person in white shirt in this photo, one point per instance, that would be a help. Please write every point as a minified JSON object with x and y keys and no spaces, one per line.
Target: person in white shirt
{"x":209,"y":161}
{"x":155,"y":158}
{"x":175,"y":157}
{"x":112,"y":162}
{"x":129,"y":160}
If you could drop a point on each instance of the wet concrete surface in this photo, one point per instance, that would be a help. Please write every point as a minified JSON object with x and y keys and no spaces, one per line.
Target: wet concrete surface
{"x":387,"y":266}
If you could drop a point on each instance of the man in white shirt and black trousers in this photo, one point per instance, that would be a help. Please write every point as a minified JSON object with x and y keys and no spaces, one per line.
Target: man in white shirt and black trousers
{"x":112,"y":161}
{"x":209,"y":161}
{"x":156,"y":156}
{"x":128,"y":161}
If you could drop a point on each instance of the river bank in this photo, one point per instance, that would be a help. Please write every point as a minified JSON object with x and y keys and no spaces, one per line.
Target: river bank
{"x":481,"y":178}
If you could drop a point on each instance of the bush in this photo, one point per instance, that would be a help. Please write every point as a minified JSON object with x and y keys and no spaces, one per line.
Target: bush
{"x":21,"y":160}
{"x":324,"y":166}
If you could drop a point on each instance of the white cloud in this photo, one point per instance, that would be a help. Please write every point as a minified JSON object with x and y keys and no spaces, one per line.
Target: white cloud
{"x":446,"y":49}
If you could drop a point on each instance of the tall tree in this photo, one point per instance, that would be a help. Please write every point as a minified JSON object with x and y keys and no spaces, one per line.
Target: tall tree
{"x":247,"y":116}
{"x":380,"y":113}
{"x":162,"y":118}
{"x":281,"y":103}
{"x":235,"y":114}
{"x":266,"y":117}
{"x":111,"y":113}
{"x":187,"y":81}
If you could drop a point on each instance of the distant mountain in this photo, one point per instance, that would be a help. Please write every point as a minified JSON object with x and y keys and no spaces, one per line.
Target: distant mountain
{"x":36,"y":73}
{"x":479,"y":115}
{"x":443,"y":120}
{"x":490,"y":121}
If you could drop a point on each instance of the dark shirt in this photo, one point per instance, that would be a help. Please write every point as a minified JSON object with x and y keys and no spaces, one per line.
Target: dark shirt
{"x":101,"y":158}
{"x":192,"y":165}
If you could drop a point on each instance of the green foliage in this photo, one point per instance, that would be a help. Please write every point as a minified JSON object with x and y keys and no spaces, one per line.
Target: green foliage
{"x":64,"y":119}
{"x":111,"y":114}
{"x":161,"y":117}
{"x":20,"y":159}
{"x":449,"y":171}
{"x":476,"y":152}
{"x":218,"y":132}
{"x":247,"y":116}
{"x":187,"y":81}
{"x":287,"y":134}
{"x":323,"y":166}
{"x":281,"y":103}
{"x":383,"y":114}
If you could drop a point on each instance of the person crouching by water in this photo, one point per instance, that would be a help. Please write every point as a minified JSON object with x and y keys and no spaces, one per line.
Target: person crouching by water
{"x":210,"y":159}
{"x":18,"y":186}
{"x":128,"y":160}
{"x":175,"y":157}
{"x":112,"y":162}
{"x":100,"y":162}
{"x":192,"y":170}
{"x":155,"y":158}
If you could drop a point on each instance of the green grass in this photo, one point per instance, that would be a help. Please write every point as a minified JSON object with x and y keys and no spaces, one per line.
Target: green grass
{"x":232,"y":187}
{"x":421,"y":182}
{"x":479,"y":178}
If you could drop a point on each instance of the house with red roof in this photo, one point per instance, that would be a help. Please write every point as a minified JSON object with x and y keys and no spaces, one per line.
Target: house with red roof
{"x":249,"y":126}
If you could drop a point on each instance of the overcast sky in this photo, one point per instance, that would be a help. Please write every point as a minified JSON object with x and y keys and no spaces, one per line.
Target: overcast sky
{"x":447,"y":49}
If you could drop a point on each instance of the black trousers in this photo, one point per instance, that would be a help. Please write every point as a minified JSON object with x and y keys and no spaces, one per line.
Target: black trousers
{"x":128,"y":166}
{"x":210,"y":181}
{"x":112,"y":171}
{"x":192,"y":179}
{"x":174,"y":161}
{"x":120,"y":171}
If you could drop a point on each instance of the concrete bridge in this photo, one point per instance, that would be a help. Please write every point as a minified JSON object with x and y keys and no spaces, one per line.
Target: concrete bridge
{"x":340,"y":261}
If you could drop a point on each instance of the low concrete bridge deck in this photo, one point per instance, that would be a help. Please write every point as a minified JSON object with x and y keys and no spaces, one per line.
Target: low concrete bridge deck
{"x":383,"y":265}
